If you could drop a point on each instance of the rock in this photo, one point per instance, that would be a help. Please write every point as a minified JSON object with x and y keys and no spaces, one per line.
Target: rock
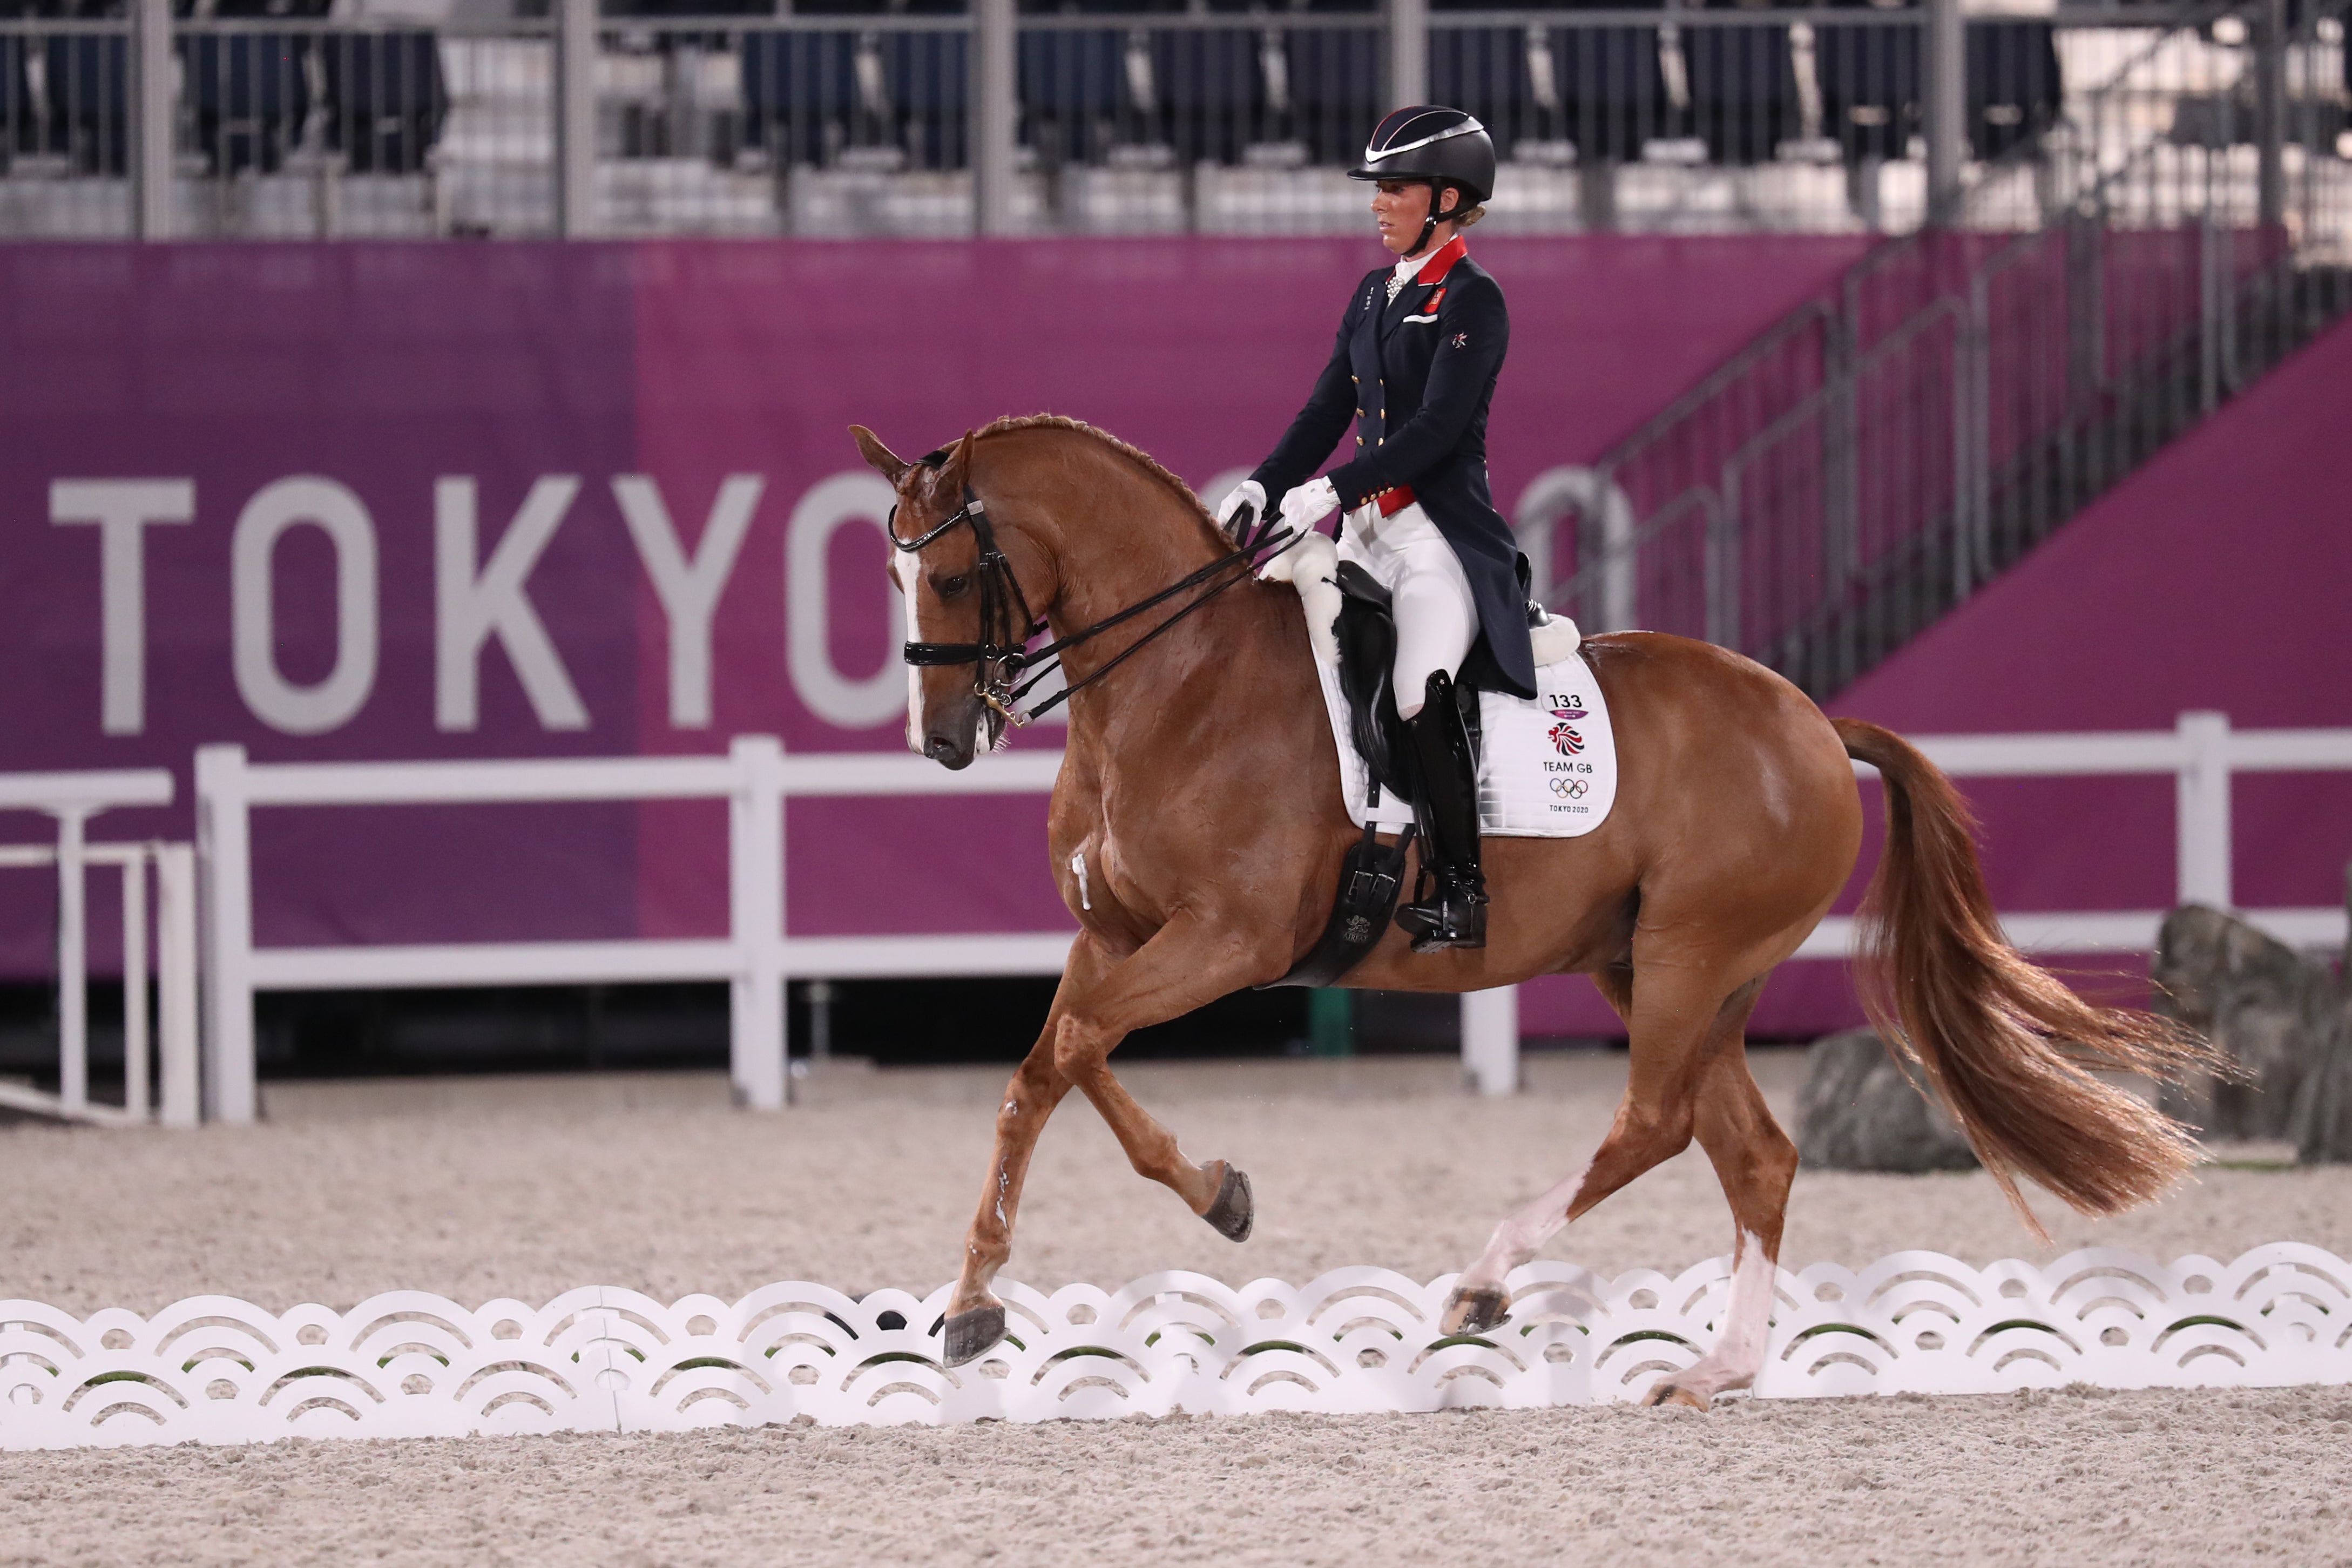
{"x":2265,"y":1005}
{"x":1860,"y":1112}
{"x":2321,"y":1123}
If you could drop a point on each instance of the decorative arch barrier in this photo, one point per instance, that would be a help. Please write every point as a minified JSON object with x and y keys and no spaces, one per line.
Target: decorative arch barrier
{"x":409,"y":1364}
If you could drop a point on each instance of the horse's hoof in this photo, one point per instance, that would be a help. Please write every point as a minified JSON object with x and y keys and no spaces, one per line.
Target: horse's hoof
{"x":974,"y":1333}
{"x":1474,"y":1312}
{"x":1675,"y":1394}
{"x":1234,"y":1212}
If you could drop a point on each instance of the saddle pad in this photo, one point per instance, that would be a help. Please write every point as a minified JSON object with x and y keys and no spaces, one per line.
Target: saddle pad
{"x":1546,"y":769}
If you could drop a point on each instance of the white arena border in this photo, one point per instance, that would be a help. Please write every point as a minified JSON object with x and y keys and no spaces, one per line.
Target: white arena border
{"x":408,"y":1365}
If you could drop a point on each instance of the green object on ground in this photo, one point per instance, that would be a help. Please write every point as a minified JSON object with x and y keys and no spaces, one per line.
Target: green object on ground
{"x":1330,"y":1023}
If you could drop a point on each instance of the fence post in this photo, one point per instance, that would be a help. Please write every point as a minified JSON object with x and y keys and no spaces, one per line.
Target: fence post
{"x":1408,"y":52}
{"x":1490,"y":1039}
{"x":576,"y":117}
{"x":135,"y":1096}
{"x":2203,"y":857}
{"x":226,"y":891}
{"x":73,"y":960}
{"x":151,"y":119}
{"x":1946,"y":91}
{"x":756,"y":1045}
{"x":176,"y":980}
{"x":994,"y":108}
{"x":2270,"y":111}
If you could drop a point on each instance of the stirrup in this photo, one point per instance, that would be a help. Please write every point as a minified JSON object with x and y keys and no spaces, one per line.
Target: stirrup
{"x":1455,"y":917}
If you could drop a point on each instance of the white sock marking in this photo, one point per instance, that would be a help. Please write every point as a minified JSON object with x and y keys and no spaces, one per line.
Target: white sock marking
{"x":1739,"y":1353}
{"x":907,"y":572}
{"x":1516,"y":1239}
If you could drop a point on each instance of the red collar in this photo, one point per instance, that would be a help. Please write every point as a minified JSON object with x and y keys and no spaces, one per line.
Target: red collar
{"x":1441,"y":261}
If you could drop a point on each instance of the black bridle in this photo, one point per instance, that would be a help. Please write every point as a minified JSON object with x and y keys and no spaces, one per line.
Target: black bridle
{"x":1003,"y":655}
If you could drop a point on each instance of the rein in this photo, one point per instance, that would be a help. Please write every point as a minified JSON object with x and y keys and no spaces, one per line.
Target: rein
{"x":1001,"y":656}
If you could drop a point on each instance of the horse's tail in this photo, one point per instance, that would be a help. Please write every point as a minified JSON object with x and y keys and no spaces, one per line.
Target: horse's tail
{"x":2004,"y":1043}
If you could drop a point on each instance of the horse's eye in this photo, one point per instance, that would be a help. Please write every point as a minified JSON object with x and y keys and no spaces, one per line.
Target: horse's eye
{"x":949,"y":588}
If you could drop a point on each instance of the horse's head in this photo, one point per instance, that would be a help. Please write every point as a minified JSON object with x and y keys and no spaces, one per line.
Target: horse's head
{"x":947,"y":719}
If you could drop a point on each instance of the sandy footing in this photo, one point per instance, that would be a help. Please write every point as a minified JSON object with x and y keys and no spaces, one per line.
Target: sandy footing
{"x":525,"y":1187}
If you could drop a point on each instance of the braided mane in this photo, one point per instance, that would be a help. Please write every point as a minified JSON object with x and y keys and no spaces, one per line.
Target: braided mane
{"x":1135,"y":454}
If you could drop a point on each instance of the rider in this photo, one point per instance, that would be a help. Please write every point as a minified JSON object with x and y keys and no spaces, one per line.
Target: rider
{"x":1419,"y":349}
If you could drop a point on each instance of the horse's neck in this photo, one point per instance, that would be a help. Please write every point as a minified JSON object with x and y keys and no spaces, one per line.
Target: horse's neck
{"x":1132,"y":539}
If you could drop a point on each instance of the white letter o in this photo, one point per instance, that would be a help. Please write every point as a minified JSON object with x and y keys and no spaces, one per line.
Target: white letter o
{"x":275,"y":700}
{"x":855,"y":497}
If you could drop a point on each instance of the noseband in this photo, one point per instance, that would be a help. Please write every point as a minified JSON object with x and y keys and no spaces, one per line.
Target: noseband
{"x":1002,"y":654}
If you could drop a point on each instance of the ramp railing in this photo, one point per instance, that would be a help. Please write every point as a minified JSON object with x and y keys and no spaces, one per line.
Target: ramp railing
{"x":71,"y":799}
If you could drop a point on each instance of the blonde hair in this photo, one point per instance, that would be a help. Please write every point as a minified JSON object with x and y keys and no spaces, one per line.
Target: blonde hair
{"x":1465,"y":219}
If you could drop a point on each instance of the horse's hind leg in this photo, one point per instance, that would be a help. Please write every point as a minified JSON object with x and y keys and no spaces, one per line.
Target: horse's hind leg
{"x":1755,"y":1161}
{"x":1672,"y":1021}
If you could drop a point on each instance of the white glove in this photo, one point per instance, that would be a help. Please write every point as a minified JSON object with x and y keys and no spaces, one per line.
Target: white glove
{"x":1244,"y":505}
{"x":1309,"y":504}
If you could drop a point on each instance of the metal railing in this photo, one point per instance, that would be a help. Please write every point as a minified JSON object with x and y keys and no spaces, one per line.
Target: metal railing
{"x":1881,"y":450}
{"x":71,"y":799}
{"x":927,"y":117}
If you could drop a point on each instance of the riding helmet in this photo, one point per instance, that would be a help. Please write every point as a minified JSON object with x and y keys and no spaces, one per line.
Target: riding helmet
{"x":1430,"y":141}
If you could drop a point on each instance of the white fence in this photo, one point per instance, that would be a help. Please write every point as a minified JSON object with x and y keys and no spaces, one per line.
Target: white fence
{"x":758,"y":955}
{"x":73,"y":799}
{"x":755,"y":957}
{"x":409,"y":1364}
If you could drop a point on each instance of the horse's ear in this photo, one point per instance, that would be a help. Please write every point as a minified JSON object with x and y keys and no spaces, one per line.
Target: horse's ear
{"x":881,"y":459}
{"x":957,"y":470}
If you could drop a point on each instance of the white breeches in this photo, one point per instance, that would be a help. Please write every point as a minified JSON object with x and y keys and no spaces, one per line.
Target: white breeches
{"x":1436,"y":618}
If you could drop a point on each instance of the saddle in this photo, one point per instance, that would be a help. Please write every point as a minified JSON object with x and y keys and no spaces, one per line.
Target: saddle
{"x":1372,"y":875}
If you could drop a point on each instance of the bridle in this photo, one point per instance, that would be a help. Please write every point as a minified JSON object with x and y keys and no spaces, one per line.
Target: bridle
{"x":1002,"y":656}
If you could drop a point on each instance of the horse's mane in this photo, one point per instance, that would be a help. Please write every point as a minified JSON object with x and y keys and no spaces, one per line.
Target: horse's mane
{"x":1135,"y":454}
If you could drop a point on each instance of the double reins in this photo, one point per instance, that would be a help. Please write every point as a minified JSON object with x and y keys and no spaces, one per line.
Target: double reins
{"x":1003,"y":655}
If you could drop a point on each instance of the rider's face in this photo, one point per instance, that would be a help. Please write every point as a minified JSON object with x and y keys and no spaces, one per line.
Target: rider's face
{"x":1399,"y":207}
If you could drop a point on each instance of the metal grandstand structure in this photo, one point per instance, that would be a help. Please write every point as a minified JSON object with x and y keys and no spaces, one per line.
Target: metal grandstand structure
{"x":304,"y":118}
{"x":1886,"y":448}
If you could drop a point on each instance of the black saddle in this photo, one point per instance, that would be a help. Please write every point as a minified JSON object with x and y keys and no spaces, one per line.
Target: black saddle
{"x":1373,"y":873}
{"x":1367,"y":645}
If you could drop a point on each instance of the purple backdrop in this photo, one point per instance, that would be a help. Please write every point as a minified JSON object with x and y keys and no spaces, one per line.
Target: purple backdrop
{"x":388,"y":369}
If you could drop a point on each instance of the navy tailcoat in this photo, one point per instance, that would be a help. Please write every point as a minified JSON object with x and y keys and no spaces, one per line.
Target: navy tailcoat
{"x":1416,"y":375}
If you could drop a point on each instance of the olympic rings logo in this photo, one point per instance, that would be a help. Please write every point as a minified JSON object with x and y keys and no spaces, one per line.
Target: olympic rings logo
{"x":1569,"y":789}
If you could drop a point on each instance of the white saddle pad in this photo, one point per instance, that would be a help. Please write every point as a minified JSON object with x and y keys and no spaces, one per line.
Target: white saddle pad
{"x":1546,"y":769}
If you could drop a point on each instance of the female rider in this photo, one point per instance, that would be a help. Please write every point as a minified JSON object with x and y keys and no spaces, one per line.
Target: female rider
{"x":1419,"y":349}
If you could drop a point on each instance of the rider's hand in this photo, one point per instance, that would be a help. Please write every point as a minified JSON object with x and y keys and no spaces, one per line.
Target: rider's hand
{"x":1240,"y":511}
{"x":1309,"y":504}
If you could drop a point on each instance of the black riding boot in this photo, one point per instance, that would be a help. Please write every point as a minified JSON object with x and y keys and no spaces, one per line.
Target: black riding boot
{"x":1446,"y":770}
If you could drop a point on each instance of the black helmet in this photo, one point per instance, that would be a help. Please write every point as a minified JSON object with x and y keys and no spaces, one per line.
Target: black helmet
{"x":1430,"y":141}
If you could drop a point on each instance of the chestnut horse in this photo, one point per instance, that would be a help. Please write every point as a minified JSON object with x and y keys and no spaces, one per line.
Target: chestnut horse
{"x":1197,"y":832}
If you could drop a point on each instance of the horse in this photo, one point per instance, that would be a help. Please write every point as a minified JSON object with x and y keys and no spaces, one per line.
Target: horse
{"x":1197,"y":831}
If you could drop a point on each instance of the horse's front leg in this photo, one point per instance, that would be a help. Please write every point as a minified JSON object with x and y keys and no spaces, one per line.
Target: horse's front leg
{"x":1101,"y":1001}
{"x":975,"y":1317}
{"x":1189,"y":963}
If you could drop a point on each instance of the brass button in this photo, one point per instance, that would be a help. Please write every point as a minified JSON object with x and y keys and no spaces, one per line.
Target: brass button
{"x":1360,"y":440}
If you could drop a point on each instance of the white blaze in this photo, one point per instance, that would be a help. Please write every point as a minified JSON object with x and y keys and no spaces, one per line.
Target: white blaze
{"x":910,"y":573}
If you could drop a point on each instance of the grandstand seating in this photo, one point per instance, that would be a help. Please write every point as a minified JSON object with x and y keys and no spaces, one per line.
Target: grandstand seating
{"x":385,"y":100}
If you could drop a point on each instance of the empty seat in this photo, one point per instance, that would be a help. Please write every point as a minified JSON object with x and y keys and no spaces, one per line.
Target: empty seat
{"x":1871,"y":82}
{"x":385,"y":99}
{"x":1613,"y":90}
{"x":1743,"y":88}
{"x":88,"y":77}
{"x":800,"y":93}
{"x":1210,"y":87}
{"x":1334,"y":90}
{"x":2013,"y":84}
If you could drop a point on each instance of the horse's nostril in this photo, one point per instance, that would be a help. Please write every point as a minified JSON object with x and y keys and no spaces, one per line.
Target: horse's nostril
{"x":939,"y":748}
